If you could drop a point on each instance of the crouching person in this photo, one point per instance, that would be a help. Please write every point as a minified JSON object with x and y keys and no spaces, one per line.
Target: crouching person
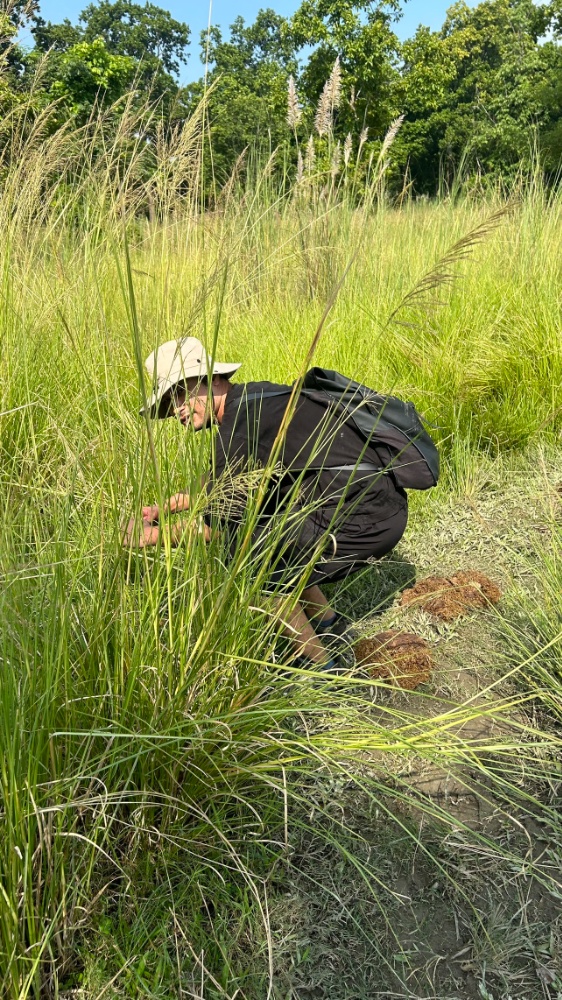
{"x":353,"y":511}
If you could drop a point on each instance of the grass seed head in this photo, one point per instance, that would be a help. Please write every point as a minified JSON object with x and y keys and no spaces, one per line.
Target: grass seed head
{"x":310,"y":156}
{"x":334,"y":84}
{"x":363,"y":136}
{"x":323,"y":117}
{"x":391,"y":135}
{"x":330,"y":98}
{"x":294,"y":111}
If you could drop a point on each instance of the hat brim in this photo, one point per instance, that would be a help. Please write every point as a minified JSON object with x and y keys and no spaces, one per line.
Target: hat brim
{"x":153,"y":404}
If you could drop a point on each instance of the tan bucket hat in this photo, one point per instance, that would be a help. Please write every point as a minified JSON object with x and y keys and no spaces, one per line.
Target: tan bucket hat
{"x":177,"y":360}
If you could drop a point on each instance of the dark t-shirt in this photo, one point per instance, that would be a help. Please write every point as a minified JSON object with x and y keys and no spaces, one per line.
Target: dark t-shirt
{"x":316,"y":440}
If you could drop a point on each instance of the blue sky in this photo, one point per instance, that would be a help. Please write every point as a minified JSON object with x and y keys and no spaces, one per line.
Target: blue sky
{"x":196,"y":14}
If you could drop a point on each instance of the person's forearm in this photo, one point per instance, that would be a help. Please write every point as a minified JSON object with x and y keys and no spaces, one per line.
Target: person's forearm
{"x":177,"y":503}
{"x":147,"y":534}
{"x":174,"y":505}
{"x":181,"y":526}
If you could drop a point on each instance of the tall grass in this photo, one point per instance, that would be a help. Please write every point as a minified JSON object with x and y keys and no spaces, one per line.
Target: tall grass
{"x":149,"y":785}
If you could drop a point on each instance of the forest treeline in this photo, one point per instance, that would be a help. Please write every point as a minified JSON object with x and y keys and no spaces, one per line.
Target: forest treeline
{"x":481,"y":97}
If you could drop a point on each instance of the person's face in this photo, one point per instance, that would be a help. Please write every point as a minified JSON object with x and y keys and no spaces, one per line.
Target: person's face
{"x":192,"y":404}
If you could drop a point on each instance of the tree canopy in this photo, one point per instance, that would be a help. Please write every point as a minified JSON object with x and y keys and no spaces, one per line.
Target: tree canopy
{"x":482,"y":96}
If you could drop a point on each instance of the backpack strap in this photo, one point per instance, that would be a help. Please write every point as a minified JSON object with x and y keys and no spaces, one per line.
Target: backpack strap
{"x":360,"y":467}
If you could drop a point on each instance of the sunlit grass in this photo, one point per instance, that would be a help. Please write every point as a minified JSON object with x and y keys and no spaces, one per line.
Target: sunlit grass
{"x":153,"y":755}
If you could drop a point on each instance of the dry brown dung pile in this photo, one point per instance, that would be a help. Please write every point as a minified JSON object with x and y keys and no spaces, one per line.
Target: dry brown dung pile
{"x":450,"y":597}
{"x":400,"y":657}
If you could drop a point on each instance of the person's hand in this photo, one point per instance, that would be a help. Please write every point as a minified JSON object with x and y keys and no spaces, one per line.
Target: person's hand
{"x":177,"y":503}
{"x":151,"y":514}
{"x":139,"y":536}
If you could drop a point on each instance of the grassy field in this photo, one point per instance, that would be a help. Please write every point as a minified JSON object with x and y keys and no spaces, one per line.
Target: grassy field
{"x":164,"y":830}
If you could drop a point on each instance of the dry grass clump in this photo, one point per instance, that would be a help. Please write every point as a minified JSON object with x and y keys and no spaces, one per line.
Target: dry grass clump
{"x":401,"y":658}
{"x":450,"y":597}
{"x":477,"y":587}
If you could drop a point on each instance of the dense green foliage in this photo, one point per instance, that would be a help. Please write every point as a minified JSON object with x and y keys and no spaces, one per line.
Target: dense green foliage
{"x":481,"y":98}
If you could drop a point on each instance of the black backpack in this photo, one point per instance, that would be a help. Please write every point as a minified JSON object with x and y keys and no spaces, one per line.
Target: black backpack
{"x":381,"y":420}
{"x":378,"y":419}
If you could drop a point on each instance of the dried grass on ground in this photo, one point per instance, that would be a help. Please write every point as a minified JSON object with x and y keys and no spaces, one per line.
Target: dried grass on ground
{"x":403,"y":659}
{"x":451,"y":597}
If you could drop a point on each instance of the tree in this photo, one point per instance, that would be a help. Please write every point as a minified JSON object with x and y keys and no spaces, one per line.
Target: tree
{"x":249,"y":72}
{"x":146,"y":33}
{"x":470,"y":91}
{"x":267,"y":40}
{"x":551,"y":18}
{"x":549,"y":95}
{"x":477,"y":94}
{"x":14,"y":15}
{"x":88,"y":73}
{"x":58,"y":37}
{"x":360,"y":33}
{"x":19,"y":12}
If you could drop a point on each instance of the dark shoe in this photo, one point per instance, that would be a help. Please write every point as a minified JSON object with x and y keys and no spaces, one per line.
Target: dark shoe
{"x":335,"y":666}
{"x":338,"y":636}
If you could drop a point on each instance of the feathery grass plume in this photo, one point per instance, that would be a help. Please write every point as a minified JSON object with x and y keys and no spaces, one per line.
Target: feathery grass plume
{"x":294,"y":111}
{"x":226,"y":192}
{"x":352,"y":98}
{"x":441,"y":274}
{"x":347,"y":147}
{"x":390,"y":136}
{"x":179,"y":159}
{"x":375,"y":187}
{"x":334,"y":84}
{"x":267,"y":169}
{"x":363,"y":135}
{"x":323,"y":117}
{"x":310,"y":156}
{"x":330,"y":98}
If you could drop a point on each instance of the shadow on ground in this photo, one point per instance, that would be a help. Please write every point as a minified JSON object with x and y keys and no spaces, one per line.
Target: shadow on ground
{"x":372,"y":591}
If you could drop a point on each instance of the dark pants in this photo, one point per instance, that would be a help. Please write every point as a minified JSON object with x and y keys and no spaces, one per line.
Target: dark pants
{"x":339,"y":542}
